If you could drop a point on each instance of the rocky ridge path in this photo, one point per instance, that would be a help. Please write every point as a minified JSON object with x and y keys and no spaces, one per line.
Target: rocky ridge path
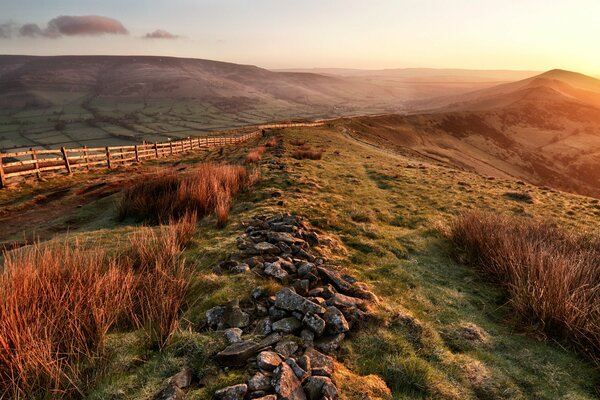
{"x":287,"y":342}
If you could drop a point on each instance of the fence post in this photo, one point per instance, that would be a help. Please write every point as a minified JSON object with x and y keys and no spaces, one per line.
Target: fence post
{"x":108,"y":157}
{"x":66,"y":158}
{"x":182,"y":149}
{"x":87,"y":159}
{"x":191,"y":144}
{"x":137,"y":157}
{"x":2,"y":177}
{"x":37,"y":163}
{"x":156,"y":149}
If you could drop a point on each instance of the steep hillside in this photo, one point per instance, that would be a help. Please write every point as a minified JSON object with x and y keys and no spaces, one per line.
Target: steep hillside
{"x":544,"y":130}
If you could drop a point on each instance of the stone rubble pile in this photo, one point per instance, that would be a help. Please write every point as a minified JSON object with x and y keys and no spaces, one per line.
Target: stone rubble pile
{"x":287,"y":342}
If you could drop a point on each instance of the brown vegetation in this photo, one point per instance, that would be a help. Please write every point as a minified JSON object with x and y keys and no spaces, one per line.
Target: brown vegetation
{"x":297,"y":142}
{"x":59,"y":301}
{"x":551,"y":274}
{"x":307,"y":152}
{"x":271,"y":142}
{"x":255,"y":154}
{"x":208,"y":189}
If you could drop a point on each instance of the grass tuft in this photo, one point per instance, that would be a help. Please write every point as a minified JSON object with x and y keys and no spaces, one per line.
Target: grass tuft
{"x":59,"y":302}
{"x":551,"y":274}
{"x":209,"y":189}
{"x":255,"y":154}
{"x":307,"y":153}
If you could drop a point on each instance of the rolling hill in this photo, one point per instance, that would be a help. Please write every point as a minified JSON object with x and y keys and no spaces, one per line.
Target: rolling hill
{"x":544,"y":129}
{"x":113,"y":100}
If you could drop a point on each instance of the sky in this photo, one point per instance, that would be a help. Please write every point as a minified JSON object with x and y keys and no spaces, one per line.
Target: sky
{"x":475,"y":34}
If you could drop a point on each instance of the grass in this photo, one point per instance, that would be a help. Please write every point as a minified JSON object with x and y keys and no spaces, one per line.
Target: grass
{"x":379,"y":211}
{"x":255,"y":154}
{"x":551,"y":274}
{"x":307,"y":153}
{"x":60,"y":300}
{"x":208,"y":189}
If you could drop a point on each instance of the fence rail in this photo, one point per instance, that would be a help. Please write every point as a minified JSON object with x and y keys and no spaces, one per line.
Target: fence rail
{"x":35,"y":162}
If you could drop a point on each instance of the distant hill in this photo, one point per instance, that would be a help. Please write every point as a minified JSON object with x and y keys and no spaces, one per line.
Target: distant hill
{"x":544,"y":129}
{"x":94,"y":99}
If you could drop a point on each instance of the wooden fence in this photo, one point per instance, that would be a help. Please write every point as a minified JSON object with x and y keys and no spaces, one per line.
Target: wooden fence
{"x":39,"y":161}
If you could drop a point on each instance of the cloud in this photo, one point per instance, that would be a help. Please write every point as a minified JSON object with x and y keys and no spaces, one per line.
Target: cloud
{"x":6,"y":30}
{"x":30,"y":30}
{"x":160,"y":34}
{"x":66,"y":25}
{"x":86,"y":25}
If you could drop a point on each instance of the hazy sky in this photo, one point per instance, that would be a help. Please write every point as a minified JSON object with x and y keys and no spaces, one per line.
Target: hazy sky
{"x":512,"y":34}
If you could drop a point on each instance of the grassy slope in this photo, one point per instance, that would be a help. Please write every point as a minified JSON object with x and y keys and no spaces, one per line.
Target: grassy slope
{"x":383,"y":208}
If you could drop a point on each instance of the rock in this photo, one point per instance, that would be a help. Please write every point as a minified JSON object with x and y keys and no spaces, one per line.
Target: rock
{"x":320,"y":364}
{"x":304,"y":363}
{"x":342,"y":301}
{"x":315,"y":323}
{"x":266,"y":248}
{"x":355,"y":316}
{"x":298,"y":315}
{"x":257,"y":293}
{"x":287,"y":325}
{"x":319,"y":300}
{"x":171,"y":392}
{"x":240,"y":268}
{"x":342,"y":285}
{"x":215,"y":316}
{"x":287,"y":299}
{"x":263,"y":327}
{"x":286,"y":347}
{"x":234,"y":317}
{"x":305,"y":255}
{"x":259,"y":381}
{"x":254,"y":261}
{"x":324,"y":291}
{"x":268,"y":360}
{"x":282,"y":227}
{"x":235,"y":355}
{"x":287,"y":238}
{"x":286,"y":384}
{"x":300,"y":373}
{"x":233,"y":335}
{"x":302,"y":286}
{"x":320,"y":387}
{"x":270,"y":340}
{"x":305,"y":268}
{"x":261,"y":310}
{"x":275,"y":270}
{"x":336,"y":322}
{"x":235,"y":392}
{"x":312,"y":238}
{"x":307,"y":337}
{"x":329,"y":343}
{"x":268,"y":397}
{"x":277,"y":313}
{"x":329,"y":391}
{"x":182,"y":379}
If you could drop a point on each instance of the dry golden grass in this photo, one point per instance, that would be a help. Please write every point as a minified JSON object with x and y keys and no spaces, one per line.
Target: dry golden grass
{"x":307,"y":153}
{"x":297,"y":142}
{"x":552,"y":275}
{"x":59,"y":301}
{"x":208,"y":189}
{"x":271,"y":142}
{"x":255,"y":154}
